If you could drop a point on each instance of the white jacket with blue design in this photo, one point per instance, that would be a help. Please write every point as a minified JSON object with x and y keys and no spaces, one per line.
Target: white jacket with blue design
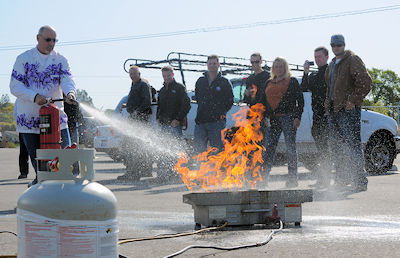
{"x":35,"y":73}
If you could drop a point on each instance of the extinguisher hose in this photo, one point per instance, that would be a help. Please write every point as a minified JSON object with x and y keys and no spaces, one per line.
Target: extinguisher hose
{"x":74,"y":101}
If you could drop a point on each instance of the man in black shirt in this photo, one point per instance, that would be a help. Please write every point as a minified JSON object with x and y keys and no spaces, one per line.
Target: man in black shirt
{"x":173,"y":103}
{"x":315,"y":83}
{"x":138,"y":162}
{"x":214,"y":98}
{"x":139,"y":98}
{"x":255,"y":83}
{"x":173,"y":106}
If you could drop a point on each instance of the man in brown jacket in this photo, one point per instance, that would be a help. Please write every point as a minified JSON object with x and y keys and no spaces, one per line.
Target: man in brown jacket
{"x":348,"y":82}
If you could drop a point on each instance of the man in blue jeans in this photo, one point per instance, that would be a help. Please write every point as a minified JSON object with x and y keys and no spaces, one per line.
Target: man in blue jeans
{"x":214,"y":98}
{"x":40,"y":74}
{"x":348,"y":82}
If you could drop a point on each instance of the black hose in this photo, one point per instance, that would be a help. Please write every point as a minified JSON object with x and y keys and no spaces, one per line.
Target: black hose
{"x":9,"y":233}
{"x":229,"y":248}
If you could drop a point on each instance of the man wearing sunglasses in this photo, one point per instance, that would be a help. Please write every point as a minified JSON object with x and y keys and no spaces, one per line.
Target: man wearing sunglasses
{"x":39,"y":74}
{"x":348,"y":82}
{"x":255,"y":83}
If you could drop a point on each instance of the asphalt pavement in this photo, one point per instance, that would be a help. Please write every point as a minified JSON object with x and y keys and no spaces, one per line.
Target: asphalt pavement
{"x":335,"y":224}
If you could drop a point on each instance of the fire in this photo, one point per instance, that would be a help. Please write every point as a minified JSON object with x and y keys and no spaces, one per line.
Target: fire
{"x":239,"y":165}
{"x":254,"y":88}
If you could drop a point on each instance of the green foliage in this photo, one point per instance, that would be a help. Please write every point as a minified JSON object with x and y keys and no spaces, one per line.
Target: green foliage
{"x":4,"y":126}
{"x":385,"y":87}
{"x":12,"y":145}
{"x":7,"y":122}
{"x":377,"y":107}
{"x":83,"y":97}
{"x":4,"y":100}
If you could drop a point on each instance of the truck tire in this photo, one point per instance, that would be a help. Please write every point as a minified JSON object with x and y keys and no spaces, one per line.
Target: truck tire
{"x":379,"y":153}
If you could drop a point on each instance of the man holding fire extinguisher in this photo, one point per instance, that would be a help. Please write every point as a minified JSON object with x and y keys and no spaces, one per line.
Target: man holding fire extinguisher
{"x":39,"y":75}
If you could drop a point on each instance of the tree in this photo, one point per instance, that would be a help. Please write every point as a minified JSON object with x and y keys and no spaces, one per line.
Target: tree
{"x":83,"y":97}
{"x":4,"y":100}
{"x":385,"y":87}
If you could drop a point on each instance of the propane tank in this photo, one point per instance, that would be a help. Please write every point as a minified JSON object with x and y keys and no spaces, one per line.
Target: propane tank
{"x":49,"y":123}
{"x":66,"y":215}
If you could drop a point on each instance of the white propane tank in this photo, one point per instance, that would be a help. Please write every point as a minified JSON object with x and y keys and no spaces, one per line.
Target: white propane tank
{"x":65,"y":215}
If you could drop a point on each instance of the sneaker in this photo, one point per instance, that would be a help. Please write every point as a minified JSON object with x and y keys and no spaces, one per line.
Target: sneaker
{"x":22,"y":176}
{"x":33,"y":182}
{"x":360,"y":187}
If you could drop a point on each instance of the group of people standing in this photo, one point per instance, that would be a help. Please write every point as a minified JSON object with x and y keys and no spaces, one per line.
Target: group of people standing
{"x":214,"y":97}
{"x":338,"y":90}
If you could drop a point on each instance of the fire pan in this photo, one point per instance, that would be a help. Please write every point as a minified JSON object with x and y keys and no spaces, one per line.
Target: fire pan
{"x":247,"y":207}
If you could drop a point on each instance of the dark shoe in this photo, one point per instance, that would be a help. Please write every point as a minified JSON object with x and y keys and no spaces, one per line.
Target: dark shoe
{"x":360,"y":187}
{"x":22,"y":176}
{"x":33,"y":182}
{"x":129,"y":177}
{"x":292,"y":184}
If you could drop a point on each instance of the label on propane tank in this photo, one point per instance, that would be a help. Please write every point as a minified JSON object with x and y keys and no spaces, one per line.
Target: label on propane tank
{"x":40,"y":236}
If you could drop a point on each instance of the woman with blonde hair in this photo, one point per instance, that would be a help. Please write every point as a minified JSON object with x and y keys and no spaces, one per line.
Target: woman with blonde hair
{"x":284,"y":104}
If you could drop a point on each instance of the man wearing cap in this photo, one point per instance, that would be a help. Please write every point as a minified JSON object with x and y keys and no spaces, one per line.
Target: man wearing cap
{"x":348,"y":82}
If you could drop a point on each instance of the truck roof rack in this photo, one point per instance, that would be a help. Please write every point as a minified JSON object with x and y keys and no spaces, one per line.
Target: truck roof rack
{"x":187,"y":62}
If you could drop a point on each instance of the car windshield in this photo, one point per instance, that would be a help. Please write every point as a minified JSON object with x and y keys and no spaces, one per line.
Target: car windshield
{"x":238,"y":87}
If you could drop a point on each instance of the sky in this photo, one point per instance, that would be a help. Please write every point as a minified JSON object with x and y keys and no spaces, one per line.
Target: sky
{"x":98,"y":68}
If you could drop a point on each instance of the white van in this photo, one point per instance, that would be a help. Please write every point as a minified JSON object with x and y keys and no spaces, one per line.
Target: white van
{"x":379,"y":133}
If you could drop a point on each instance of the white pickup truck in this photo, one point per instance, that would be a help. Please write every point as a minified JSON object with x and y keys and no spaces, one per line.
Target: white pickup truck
{"x":379,"y":133}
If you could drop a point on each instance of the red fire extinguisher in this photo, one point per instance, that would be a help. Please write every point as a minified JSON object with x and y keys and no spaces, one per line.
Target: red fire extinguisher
{"x":50,"y":133}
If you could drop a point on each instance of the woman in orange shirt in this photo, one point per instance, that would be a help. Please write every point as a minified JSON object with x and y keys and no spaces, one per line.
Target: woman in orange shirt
{"x":284,"y":106}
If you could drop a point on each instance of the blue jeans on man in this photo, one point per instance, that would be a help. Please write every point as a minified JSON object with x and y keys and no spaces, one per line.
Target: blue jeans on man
{"x":279,"y":124}
{"x":174,"y":131}
{"x":208,"y":132}
{"x":32,"y":143}
{"x":346,"y":148}
{"x":74,"y":135}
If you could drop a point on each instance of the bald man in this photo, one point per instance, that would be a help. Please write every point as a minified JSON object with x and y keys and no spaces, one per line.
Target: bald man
{"x":40,"y":74}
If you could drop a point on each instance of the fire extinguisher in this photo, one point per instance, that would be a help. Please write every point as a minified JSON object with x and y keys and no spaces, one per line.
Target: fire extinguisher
{"x":49,"y":124}
{"x":50,"y":132}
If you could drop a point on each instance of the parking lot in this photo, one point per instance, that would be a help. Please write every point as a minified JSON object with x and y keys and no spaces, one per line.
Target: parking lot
{"x":335,"y":224}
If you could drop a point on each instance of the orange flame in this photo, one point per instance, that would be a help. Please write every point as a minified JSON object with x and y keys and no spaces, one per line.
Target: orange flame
{"x":239,"y":165}
{"x":254,"y":88}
